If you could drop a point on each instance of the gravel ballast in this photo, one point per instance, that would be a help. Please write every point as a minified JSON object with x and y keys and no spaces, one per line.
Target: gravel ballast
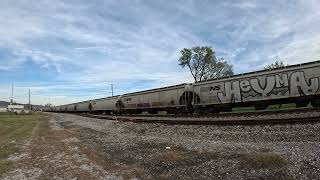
{"x":159,"y":151}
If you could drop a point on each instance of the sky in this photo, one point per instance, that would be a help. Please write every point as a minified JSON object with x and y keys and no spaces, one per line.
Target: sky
{"x":67,"y":51}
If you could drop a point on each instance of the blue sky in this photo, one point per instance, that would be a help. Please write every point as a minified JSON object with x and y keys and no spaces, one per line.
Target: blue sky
{"x":71,"y":50}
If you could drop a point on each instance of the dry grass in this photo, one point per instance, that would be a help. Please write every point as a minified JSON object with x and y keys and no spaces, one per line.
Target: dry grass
{"x":133,"y":173}
{"x":266,"y":160}
{"x":173,"y":155}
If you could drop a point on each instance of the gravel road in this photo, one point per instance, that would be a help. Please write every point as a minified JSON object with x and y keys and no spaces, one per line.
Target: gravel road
{"x":156,"y":151}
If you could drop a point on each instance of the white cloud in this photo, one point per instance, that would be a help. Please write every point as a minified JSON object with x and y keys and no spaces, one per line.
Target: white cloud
{"x":92,"y":43}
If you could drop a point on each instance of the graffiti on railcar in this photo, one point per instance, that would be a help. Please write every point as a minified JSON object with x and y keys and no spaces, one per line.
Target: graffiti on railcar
{"x":294,"y":84}
{"x":143,"y":105}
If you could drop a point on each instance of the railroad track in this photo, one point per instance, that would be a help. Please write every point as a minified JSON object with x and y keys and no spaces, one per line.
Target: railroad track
{"x":223,"y":114}
{"x":306,"y":115}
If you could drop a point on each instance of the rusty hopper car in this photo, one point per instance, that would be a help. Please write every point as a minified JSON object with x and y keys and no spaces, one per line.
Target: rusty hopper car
{"x":297,"y":84}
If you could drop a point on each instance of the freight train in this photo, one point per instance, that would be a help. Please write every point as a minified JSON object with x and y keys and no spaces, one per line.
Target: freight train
{"x":297,"y":84}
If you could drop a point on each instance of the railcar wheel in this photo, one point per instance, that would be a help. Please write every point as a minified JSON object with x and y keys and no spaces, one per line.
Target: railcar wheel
{"x":170,"y":110}
{"x":315,"y":102}
{"x":302,"y":104}
{"x":261,"y":106}
{"x":180,"y":111}
{"x":205,"y":111}
{"x":137,"y":111}
{"x":153,"y":111}
{"x":226,"y":108}
{"x":190,"y":109}
{"x":212,"y":110}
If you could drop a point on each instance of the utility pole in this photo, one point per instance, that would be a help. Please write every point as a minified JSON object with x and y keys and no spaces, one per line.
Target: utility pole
{"x":111,"y":89}
{"x":29,"y":102}
{"x":11,"y":102}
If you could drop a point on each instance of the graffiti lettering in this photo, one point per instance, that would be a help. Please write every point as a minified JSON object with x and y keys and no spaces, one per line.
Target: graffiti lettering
{"x":232,"y":93}
{"x":245,"y":86}
{"x":299,"y":86}
{"x":288,"y":84}
{"x":282,"y":81}
{"x":270,"y":82}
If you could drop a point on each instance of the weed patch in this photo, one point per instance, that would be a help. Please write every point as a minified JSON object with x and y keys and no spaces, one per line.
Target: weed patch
{"x":16,"y":129}
{"x":265,"y":160}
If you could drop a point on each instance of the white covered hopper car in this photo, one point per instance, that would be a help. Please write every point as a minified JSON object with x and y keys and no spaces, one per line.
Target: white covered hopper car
{"x":297,"y":84}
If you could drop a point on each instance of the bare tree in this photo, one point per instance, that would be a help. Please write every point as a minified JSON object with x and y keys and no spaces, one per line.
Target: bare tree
{"x":48,"y":105}
{"x":203,"y":64}
{"x":275,"y":65}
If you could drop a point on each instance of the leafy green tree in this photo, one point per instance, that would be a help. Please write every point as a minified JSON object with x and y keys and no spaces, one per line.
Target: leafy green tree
{"x":203,"y":64}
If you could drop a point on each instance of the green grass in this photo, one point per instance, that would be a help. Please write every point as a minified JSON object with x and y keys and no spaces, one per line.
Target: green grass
{"x":275,"y":107}
{"x":243,"y":109}
{"x":282,"y":106}
{"x":17,"y":128}
{"x":5,"y":113}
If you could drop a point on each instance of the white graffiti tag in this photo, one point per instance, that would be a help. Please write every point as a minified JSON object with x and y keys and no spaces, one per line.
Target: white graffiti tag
{"x":285,"y":84}
{"x":232,"y":93}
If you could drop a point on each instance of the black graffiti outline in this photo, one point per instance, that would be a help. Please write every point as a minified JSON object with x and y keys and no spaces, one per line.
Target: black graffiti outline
{"x":241,"y":88}
{"x":274,"y":88}
{"x":266,"y":83}
{"x":250,"y":93}
{"x":276,"y":91}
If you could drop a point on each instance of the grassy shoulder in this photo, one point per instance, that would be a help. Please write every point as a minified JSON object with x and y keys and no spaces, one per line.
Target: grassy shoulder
{"x":15,"y":129}
{"x":275,"y":107}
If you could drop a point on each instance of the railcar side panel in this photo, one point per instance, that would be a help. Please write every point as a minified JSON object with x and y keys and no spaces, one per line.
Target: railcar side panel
{"x":267,"y":86}
{"x":163,"y":98}
{"x":83,"y":106}
{"x":292,"y":82}
{"x":107,"y":104}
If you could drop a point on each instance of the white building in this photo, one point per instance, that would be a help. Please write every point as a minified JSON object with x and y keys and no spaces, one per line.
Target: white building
{"x":3,"y":109}
{"x":16,"y":108}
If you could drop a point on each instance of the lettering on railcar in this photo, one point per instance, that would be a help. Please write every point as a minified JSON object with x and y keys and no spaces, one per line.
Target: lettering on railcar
{"x":263,"y":87}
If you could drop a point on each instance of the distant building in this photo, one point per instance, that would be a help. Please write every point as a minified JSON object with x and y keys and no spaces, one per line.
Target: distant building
{"x":16,"y":108}
{"x":3,"y":109}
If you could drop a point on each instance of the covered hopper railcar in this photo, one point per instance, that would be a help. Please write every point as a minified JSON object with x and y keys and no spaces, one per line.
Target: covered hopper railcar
{"x":297,"y":84}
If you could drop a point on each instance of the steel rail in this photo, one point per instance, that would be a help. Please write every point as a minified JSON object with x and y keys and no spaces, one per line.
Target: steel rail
{"x":223,"y":114}
{"x":200,"y":121}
